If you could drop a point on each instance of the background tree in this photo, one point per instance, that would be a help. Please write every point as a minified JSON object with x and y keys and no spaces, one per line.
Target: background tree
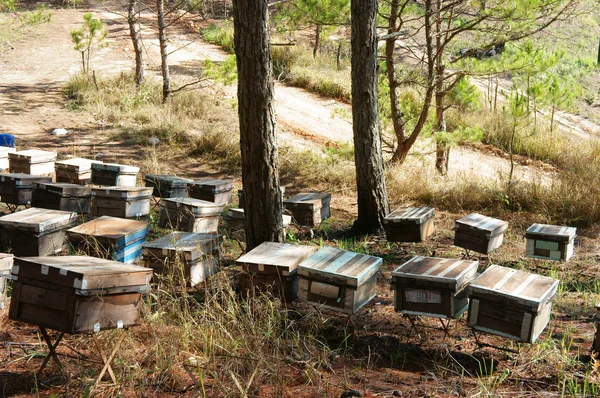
{"x":136,"y":40}
{"x":370,"y":179}
{"x":260,"y":164}
{"x":91,"y":33}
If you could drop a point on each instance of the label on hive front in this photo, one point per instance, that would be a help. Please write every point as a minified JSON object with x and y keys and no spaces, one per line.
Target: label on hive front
{"x":422,"y":296}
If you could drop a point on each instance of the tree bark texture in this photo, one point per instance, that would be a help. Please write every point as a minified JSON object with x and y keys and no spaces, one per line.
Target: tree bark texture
{"x":134,"y":33}
{"x":442,"y":151}
{"x":370,"y":179}
{"x":162,"y":40}
{"x":260,"y":164}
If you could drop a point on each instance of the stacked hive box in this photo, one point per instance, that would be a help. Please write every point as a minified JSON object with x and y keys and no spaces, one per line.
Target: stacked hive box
{"x":77,"y":294}
{"x":166,"y":186}
{"x":6,"y":263}
{"x":4,"y":151}
{"x":550,"y":242}
{"x":480,"y":233}
{"x":62,"y":196}
{"x":184,"y":255}
{"x":124,"y":202}
{"x":308,"y":208}
{"x":32,"y":161}
{"x":190,"y":215}
{"x":36,"y":232}
{"x":338,"y":280}
{"x":112,"y":174}
{"x":409,"y":224}
{"x":114,"y":238}
{"x":74,"y":171}
{"x":432,"y":286}
{"x":211,"y":190}
{"x":511,"y":303}
{"x":273,"y":266}
{"x":17,"y":188}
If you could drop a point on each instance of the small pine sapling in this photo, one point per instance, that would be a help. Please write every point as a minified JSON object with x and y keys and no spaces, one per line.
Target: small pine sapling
{"x":91,"y":33}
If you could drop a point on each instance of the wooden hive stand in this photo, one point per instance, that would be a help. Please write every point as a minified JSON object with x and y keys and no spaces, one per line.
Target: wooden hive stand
{"x":78,"y":295}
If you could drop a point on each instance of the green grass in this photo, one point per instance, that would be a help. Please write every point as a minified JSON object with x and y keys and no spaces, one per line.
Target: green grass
{"x":220,"y":34}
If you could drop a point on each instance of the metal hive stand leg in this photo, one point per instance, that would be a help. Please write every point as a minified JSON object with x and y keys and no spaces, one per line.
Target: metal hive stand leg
{"x":445,"y":327}
{"x":414,"y":325}
{"x":108,"y":359}
{"x":481,"y":344}
{"x":12,"y":207}
{"x":52,"y":347}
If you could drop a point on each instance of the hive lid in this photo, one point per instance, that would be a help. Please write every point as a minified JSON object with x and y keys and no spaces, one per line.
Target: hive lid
{"x":284,"y":256}
{"x":307,"y":200}
{"x":6,"y":263}
{"x":474,"y":221}
{"x":63,"y":188}
{"x":22,"y":179}
{"x":332,"y":263}
{"x":523,"y":287}
{"x":164,"y":181}
{"x":33,"y":156}
{"x":117,"y":168}
{"x":5,"y":150}
{"x":119,"y":192}
{"x":194,"y":245}
{"x":452,"y":271}
{"x":76,"y":165}
{"x":211,"y":185}
{"x":120,"y":231}
{"x":555,"y":231}
{"x":416,"y":215}
{"x":38,"y":220}
{"x":238,"y":214}
{"x":83,"y":273}
{"x":195,"y":206}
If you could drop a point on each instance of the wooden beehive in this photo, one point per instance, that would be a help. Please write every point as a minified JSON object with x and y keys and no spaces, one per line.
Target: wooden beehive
{"x":273,"y":267}
{"x":211,"y":190}
{"x":432,"y":286}
{"x":338,"y":280}
{"x":190,"y":215}
{"x":75,"y":171}
{"x":77,"y":294}
{"x":167,"y":186}
{"x":114,"y":238}
{"x":409,"y":224}
{"x":17,"y":188}
{"x":550,"y":242}
{"x":62,"y":196}
{"x":113,"y":174}
{"x":6,"y":263}
{"x":511,"y":303}
{"x":4,"y":151}
{"x":184,"y":255}
{"x":36,"y":232}
{"x":124,"y":202}
{"x":236,"y":223}
{"x":479,"y":233}
{"x":32,"y":161}
{"x":308,"y":208}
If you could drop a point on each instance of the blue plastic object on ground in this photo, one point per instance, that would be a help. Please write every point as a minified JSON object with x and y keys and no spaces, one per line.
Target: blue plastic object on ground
{"x":7,"y":140}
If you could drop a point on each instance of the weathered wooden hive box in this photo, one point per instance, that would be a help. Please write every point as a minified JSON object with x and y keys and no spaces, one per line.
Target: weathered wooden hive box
{"x":511,"y":303}
{"x":4,"y":151}
{"x":36,"y":232}
{"x":273,"y":267}
{"x":6,"y":263}
{"x":113,"y":174}
{"x":236,"y":223}
{"x":108,"y":237}
{"x":550,"y":242}
{"x":240,"y":195}
{"x":124,"y":202}
{"x":432,"y":286}
{"x":409,"y":224}
{"x":308,"y":208}
{"x":167,"y":186}
{"x":338,"y":280}
{"x":479,"y":233}
{"x":190,"y":215}
{"x":32,"y":161}
{"x":17,"y":188}
{"x":62,"y":196}
{"x":184,"y":255}
{"x":211,"y":190}
{"x":75,"y":171}
{"x":77,"y":294}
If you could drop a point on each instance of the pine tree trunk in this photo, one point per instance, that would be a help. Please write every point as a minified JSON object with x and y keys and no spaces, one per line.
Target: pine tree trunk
{"x":260,"y":164}
{"x":442,"y":152}
{"x":134,"y":33}
{"x":162,"y":40}
{"x":318,"y":29}
{"x":370,"y":179}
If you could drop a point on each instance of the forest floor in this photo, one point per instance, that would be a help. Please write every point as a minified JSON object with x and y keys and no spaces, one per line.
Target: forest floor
{"x":33,"y":71}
